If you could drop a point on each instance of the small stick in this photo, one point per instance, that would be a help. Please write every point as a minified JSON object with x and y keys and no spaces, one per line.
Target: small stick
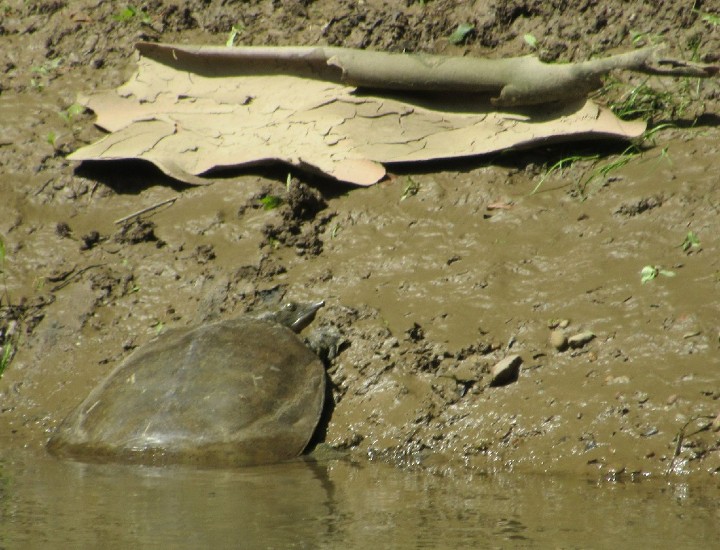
{"x":71,"y":277}
{"x":145,"y":210}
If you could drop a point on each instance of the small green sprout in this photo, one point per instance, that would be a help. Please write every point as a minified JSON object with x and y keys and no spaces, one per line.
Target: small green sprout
{"x":51,"y":138}
{"x":2,"y":254}
{"x":42,"y":73}
{"x":559,"y":165}
{"x":129,"y":13}
{"x":2,"y":270}
{"x":234,"y":32}
{"x":650,"y":272}
{"x":46,"y":68}
{"x":71,"y":112}
{"x":270,"y":202}
{"x":643,"y":38}
{"x":411,"y":189}
{"x":531,"y":41}
{"x":644,"y":101}
{"x":711,"y":18}
{"x":691,"y":241}
{"x":7,"y":354}
{"x":461,"y":33}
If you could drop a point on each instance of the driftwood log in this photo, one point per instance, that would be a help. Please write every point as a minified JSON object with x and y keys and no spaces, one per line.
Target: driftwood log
{"x":512,"y":82}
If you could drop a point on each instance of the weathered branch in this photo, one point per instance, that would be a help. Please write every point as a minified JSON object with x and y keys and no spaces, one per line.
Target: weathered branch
{"x":514,"y":81}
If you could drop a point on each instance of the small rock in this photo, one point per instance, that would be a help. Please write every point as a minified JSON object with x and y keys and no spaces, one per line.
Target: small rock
{"x":558,"y":340}
{"x":579,"y":340}
{"x":465,"y":371}
{"x":650,"y":431}
{"x":614,"y":471}
{"x":506,"y":371}
{"x":715,"y":426}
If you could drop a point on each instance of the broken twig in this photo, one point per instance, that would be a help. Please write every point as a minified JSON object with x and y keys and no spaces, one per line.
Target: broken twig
{"x":145,"y":210}
{"x":72,"y":276}
{"x":513,"y":81}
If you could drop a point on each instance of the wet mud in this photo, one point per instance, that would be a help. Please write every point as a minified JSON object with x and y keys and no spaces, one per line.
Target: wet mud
{"x":431,"y":278}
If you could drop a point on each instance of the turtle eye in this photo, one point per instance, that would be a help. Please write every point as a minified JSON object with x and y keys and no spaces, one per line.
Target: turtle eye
{"x":290,"y":307}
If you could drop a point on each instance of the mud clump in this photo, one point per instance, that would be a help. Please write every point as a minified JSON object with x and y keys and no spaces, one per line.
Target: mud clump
{"x":138,"y":231}
{"x":301,"y":225}
{"x":638,"y":207}
{"x":90,"y":240}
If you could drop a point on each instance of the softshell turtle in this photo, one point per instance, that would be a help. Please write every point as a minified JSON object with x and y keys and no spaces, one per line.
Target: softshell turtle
{"x":238,"y":392}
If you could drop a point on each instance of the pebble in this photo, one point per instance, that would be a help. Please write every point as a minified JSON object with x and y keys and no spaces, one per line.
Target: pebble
{"x":558,"y":340}
{"x":466,"y":371}
{"x":579,"y":340}
{"x":506,"y":371}
{"x":715,"y":426}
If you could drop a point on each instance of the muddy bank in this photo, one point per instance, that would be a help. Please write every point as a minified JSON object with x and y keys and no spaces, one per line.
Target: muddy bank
{"x":432,"y":277}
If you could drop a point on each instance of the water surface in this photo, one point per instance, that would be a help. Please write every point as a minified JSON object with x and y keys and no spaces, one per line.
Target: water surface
{"x":49,"y":503}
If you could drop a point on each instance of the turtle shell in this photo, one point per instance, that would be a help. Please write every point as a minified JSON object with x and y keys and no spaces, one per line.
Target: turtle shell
{"x":231,"y":393}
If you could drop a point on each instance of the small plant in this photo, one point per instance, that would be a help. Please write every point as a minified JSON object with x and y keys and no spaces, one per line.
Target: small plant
{"x":643,"y":38}
{"x":410,"y":189}
{"x":48,"y":67}
{"x":129,"y":13}
{"x":644,"y":101}
{"x":691,"y":242}
{"x":271,"y":202}
{"x":234,"y":32}
{"x":559,"y":165}
{"x":51,"y":138}
{"x":42,"y":73}
{"x":2,"y":271}
{"x":461,"y":33}
{"x":650,"y":272}
{"x":71,"y":112}
{"x":711,"y":18}
{"x":8,"y":347}
{"x":7,"y":353}
{"x":531,"y":41}
{"x":602,"y":171}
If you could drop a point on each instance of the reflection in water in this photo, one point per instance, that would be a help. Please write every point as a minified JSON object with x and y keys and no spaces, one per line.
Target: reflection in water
{"x":337,"y":504}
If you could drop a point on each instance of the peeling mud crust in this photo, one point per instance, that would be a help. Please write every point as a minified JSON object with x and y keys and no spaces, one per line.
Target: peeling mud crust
{"x":432,"y":278}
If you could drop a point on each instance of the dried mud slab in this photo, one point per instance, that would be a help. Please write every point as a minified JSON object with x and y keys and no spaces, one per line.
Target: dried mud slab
{"x":190,"y":115}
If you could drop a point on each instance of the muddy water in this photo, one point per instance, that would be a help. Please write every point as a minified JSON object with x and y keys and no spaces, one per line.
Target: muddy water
{"x":44,"y":502}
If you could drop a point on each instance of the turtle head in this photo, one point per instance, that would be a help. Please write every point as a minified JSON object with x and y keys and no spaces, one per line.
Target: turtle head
{"x":294,"y":315}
